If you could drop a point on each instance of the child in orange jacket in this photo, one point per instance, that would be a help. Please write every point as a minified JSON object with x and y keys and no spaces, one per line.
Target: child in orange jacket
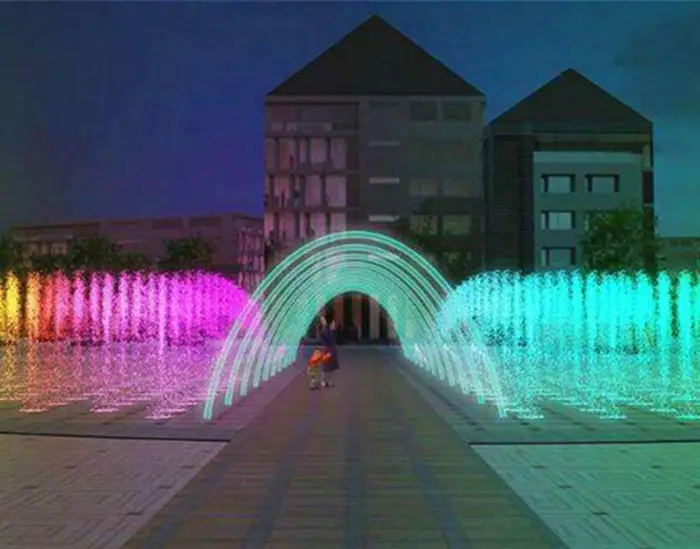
{"x":315,"y":368}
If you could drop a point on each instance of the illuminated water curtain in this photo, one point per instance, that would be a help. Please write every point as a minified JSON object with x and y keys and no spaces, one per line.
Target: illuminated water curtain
{"x":600,"y":343}
{"x":144,"y":339}
{"x":408,"y":287}
{"x":101,"y":308}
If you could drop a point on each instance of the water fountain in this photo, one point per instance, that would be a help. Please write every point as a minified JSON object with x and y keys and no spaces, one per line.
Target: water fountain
{"x":113,"y":339}
{"x":597,"y":342}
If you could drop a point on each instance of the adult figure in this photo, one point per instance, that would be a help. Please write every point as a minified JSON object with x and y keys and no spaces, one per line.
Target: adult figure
{"x":328,"y":342}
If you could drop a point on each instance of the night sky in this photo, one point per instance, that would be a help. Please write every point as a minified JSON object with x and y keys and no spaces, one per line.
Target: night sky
{"x":122,"y":109}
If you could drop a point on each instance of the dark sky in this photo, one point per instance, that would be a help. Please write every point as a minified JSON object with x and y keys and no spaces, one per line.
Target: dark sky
{"x":120,"y":109}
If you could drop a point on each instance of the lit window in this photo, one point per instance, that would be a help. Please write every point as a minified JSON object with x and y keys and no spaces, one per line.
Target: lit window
{"x":558,"y":257}
{"x":558,"y":184}
{"x":287,"y":154}
{"x":384,"y":181}
{"x":456,"y":224}
{"x":557,"y":221}
{"x":318,"y":151}
{"x":603,"y":184}
{"x":423,"y":187}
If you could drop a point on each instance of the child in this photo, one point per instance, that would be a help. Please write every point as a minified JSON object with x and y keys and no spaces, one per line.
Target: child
{"x":315,"y":369}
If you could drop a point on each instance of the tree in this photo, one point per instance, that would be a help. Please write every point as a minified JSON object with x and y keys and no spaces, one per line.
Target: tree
{"x":48,"y":263}
{"x":621,"y":240}
{"x":134,"y":261}
{"x":11,"y":254}
{"x":95,"y":253}
{"x":193,"y":252}
{"x":455,"y":265}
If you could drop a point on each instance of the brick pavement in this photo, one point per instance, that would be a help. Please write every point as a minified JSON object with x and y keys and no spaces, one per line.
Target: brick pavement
{"x":70,"y":493}
{"x":367,"y":464}
{"x":608,"y":496}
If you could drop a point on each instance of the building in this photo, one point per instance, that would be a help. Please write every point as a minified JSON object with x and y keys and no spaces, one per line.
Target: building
{"x":373,"y":130}
{"x":680,"y":253}
{"x":566,"y":151}
{"x":238,"y":239}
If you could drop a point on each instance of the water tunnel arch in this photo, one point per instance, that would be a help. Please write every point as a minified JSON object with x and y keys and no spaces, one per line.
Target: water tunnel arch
{"x":404,"y":283}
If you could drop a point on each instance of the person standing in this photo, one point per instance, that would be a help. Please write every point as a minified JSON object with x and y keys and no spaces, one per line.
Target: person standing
{"x":329,"y":346}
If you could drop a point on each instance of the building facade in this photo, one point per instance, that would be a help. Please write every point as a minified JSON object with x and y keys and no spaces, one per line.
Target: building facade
{"x":238,"y":239}
{"x":680,"y":253}
{"x":373,"y":131}
{"x":562,"y":154}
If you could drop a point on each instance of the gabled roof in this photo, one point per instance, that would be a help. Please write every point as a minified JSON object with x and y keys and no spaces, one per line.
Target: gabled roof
{"x":572,"y":99}
{"x":375,"y":59}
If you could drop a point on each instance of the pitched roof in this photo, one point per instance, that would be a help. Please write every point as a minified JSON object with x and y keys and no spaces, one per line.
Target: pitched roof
{"x":375,"y":59}
{"x":572,"y":99}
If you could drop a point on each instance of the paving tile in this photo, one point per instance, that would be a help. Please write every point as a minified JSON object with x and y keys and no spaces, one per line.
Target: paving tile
{"x":374,"y":462}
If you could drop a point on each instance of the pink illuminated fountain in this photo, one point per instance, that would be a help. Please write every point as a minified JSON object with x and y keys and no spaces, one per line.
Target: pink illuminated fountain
{"x":116,"y":340}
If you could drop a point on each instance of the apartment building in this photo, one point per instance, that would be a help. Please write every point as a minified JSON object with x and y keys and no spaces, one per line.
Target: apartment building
{"x":371,"y":131}
{"x":238,"y":239}
{"x":565,"y":152}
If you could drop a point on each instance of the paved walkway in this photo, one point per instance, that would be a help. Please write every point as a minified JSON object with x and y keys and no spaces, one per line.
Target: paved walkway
{"x":367,"y":464}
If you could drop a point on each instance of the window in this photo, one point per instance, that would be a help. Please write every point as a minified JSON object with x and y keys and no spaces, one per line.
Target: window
{"x":287,"y":226}
{"x":603,"y":184}
{"x":460,"y":187}
{"x":456,"y":224}
{"x":338,"y":222}
{"x":318,"y":151}
{"x":457,"y":111}
{"x":423,"y":187}
{"x":423,"y":224}
{"x":557,"y":221}
{"x":423,"y":111}
{"x":339,"y":153}
{"x":558,"y":257}
{"x":270,"y":154}
{"x":287,"y":154}
{"x":383,"y":218}
{"x":313,"y":191}
{"x":282,"y":192}
{"x":384,"y":181}
{"x":558,"y":184}
{"x":319,"y":223}
{"x":336,"y":190}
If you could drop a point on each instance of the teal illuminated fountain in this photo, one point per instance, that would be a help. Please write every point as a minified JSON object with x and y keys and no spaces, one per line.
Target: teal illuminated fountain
{"x":601,"y":343}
